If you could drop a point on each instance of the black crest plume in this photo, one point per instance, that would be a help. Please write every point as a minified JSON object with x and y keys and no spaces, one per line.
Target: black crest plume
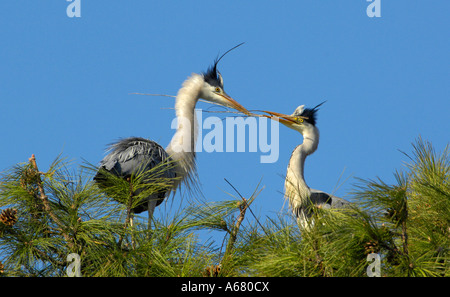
{"x":212,"y":74}
{"x":310,"y":113}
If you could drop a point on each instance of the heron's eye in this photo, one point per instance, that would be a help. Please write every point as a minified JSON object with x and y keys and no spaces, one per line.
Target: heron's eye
{"x":217,"y":89}
{"x":299,"y":120}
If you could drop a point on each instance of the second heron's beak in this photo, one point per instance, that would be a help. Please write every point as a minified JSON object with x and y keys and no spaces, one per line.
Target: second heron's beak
{"x":285,"y":119}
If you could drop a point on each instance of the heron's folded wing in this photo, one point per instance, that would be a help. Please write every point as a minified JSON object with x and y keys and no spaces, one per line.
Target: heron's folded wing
{"x":319,"y":197}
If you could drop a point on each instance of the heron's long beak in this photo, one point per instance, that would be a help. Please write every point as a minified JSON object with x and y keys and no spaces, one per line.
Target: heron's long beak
{"x":282,"y":118}
{"x":234,"y":104}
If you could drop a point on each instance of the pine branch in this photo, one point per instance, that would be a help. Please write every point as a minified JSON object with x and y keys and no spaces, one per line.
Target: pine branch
{"x":242,"y":206}
{"x":248,"y":205}
{"x":233,"y":235}
{"x":46,"y":203}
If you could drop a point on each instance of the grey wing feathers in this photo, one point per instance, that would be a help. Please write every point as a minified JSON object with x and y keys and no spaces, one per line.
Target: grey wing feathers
{"x":337,"y":202}
{"x":319,"y":197}
{"x":127,"y":156}
{"x":134,"y":155}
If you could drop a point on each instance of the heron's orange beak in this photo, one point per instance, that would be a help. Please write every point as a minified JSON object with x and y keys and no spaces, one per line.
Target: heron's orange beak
{"x":285,"y":119}
{"x":234,"y":104}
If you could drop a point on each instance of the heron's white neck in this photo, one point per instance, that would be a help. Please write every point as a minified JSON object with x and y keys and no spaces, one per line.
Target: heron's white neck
{"x":296,"y":188}
{"x":182,"y":146}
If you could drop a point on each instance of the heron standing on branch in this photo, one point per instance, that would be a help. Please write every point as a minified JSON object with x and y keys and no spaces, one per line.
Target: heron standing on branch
{"x":130,"y":156}
{"x":301,"y":197}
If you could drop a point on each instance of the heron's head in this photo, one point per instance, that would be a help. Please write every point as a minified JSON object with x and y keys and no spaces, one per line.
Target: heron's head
{"x":303,"y":119}
{"x":213,"y":91}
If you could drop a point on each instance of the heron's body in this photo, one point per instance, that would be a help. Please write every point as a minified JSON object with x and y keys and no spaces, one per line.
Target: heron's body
{"x":130,"y":156}
{"x":300,"y":196}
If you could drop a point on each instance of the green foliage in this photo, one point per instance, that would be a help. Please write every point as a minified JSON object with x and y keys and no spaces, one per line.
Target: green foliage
{"x":46,"y":216}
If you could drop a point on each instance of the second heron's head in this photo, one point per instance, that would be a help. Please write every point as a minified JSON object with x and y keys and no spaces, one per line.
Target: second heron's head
{"x":303,"y":119}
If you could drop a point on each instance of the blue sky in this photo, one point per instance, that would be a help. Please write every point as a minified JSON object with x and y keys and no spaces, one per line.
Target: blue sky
{"x":65,"y":83}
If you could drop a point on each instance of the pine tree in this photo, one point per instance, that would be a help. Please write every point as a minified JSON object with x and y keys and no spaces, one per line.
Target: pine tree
{"x":46,"y":216}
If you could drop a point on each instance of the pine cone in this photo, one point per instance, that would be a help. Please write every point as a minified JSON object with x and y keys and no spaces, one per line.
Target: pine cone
{"x":8,"y":216}
{"x":212,"y":270}
{"x":371,"y":247}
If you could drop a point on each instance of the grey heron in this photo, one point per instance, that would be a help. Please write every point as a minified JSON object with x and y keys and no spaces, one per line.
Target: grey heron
{"x":129,"y":156}
{"x":300,"y":196}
